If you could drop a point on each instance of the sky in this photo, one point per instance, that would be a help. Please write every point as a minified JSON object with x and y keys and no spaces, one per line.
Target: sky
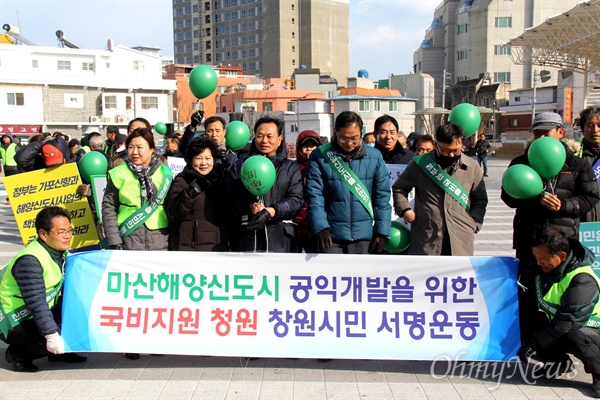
{"x":383,"y":33}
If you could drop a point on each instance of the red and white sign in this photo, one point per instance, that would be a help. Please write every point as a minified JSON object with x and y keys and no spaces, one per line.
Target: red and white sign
{"x":20,"y":129}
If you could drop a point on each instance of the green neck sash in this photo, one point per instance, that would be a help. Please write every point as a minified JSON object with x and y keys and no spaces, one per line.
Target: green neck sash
{"x":348,"y":177}
{"x":443,"y":179}
{"x":140,"y":216}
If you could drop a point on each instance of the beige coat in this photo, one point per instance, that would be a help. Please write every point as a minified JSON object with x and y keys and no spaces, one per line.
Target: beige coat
{"x":436,"y":211}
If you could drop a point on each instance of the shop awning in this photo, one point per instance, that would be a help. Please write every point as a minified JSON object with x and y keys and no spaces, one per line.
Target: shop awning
{"x":20,"y":129}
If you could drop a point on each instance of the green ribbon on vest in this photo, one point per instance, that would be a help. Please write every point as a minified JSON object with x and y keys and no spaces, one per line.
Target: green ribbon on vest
{"x":443,"y":179}
{"x":551,"y":309}
{"x":140,"y":216}
{"x":9,"y":320}
{"x":348,"y":177}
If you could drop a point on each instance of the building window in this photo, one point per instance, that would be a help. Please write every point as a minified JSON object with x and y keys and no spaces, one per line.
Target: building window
{"x":207,"y":19}
{"x":293,"y":49}
{"x":517,"y":98}
{"x":196,"y":34}
{"x":501,"y":77}
{"x":293,"y":21}
{"x":195,"y":8}
{"x":208,"y":45}
{"x":251,"y":25}
{"x":188,"y":9}
{"x":217,"y":4}
{"x":87,"y":66}
{"x":149,"y":103}
{"x":293,"y":7}
{"x":34,"y":63}
{"x":267,"y":106}
{"x":234,"y":55}
{"x":138,"y":65}
{"x":293,"y":62}
{"x":461,"y":55}
{"x":291,"y":106}
{"x":15,"y":99}
{"x":504,"y":22}
{"x":64,"y":65}
{"x":208,"y":58}
{"x":251,"y":12}
{"x":462,"y":28}
{"x":363,"y":105}
{"x":376,"y":105}
{"x":179,"y":24}
{"x":207,"y":6}
{"x":196,"y":20}
{"x":110,"y":102}
{"x":252,"y":52}
{"x":500,"y":50}
{"x":512,"y":122}
{"x":196,"y":59}
{"x":293,"y":35}
{"x":178,"y":11}
{"x":235,"y":41}
{"x":393,"y":105}
{"x":234,"y":15}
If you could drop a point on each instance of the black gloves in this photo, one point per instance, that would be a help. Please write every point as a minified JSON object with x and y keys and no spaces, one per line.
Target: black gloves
{"x":197,"y":118}
{"x":324,"y":240}
{"x":376,"y":245}
{"x":525,"y":352}
{"x":194,"y":189}
{"x":259,"y":220}
{"x":115,"y":247}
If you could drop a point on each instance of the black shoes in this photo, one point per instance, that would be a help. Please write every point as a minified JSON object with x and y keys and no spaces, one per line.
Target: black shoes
{"x":132,"y":356}
{"x":20,"y":365}
{"x":67,"y":357}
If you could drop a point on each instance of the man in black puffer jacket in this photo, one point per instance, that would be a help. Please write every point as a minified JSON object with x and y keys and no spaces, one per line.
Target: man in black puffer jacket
{"x":269,"y":227}
{"x":565,"y":199}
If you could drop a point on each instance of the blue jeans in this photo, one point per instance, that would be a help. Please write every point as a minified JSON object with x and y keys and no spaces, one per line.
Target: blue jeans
{"x":482,"y":159}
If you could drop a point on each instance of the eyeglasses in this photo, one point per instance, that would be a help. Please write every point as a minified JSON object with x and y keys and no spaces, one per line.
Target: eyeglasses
{"x":447,"y":152}
{"x":63,"y":233}
{"x":354,"y":140}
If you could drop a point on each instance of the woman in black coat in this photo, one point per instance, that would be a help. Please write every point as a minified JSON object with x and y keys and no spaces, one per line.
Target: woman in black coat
{"x":195,"y":205}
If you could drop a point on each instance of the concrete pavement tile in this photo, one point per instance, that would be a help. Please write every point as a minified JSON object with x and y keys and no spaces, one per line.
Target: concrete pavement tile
{"x":339,"y":376}
{"x":395,"y":366}
{"x":440,"y":389}
{"x":373,"y":387}
{"x":248,"y":393}
{"x":243,"y":387}
{"x":377,"y":395}
{"x":10,"y":394}
{"x":186,"y":374}
{"x":308,"y":375}
{"x":538,"y":391}
{"x":310,"y":395}
{"x":83,"y":384}
{"x":40,"y":394}
{"x":208,"y":395}
{"x":281,"y":386}
{"x":308,"y":386}
{"x":215,"y":374}
{"x":75,"y":394}
{"x":174,"y":385}
{"x":275,"y":395}
{"x":216,"y":386}
{"x":97,"y":374}
{"x":124,"y":373}
{"x":366,"y":365}
{"x":50,"y":385}
{"x":573,"y":392}
{"x":401,"y":377}
{"x":149,"y":374}
{"x":408,"y":390}
{"x":115,"y":384}
{"x":362,"y":376}
{"x":176,"y":395}
{"x":341,"y":387}
{"x":472,"y":391}
{"x":277,"y":374}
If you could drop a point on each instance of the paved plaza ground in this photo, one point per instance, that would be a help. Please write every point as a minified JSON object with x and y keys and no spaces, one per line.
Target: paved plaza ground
{"x":112,"y":376}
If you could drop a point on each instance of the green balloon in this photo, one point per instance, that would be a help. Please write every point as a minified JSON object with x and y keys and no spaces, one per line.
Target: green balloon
{"x":522,"y":182}
{"x":467,"y":117}
{"x":399,"y":238}
{"x":237,"y":135}
{"x":258,"y":175}
{"x":160,"y":128}
{"x":547,"y":156}
{"x":203,"y":81}
{"x":92,"y":163}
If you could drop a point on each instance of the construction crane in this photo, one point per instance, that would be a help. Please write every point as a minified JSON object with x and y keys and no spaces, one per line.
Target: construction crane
{"x":64,"y":42}
{"x":12,"y":35}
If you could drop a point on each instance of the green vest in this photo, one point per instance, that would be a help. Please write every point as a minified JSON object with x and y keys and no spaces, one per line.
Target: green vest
{"x":8,"y":155}
{"x":130,"y":195}
{"x":10,"y":293}
{"x":86,"y":149}
{"x":554,"y":296}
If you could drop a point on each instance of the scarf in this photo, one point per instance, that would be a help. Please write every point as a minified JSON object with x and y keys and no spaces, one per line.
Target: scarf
{"x":594,"y":148}
{"x":144,"y":174}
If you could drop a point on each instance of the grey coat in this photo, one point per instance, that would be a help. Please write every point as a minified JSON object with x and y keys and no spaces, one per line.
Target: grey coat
{"x":436,"y":211}
{"x":140,"y":239}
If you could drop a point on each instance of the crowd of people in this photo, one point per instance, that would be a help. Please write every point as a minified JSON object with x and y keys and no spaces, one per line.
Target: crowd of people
{"x":335,"y":197}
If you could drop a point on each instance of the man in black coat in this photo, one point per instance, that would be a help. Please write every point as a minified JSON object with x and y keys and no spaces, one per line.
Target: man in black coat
{"x":269,"y":224}
{"x":387,"y":132}
{"x":566,"y":197}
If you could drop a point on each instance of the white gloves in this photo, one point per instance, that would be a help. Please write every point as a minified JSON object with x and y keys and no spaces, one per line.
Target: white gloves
{"x":55,"y":344}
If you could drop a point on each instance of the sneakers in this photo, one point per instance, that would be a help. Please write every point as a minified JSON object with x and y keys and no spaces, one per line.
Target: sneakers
{"x":20,"y":365}
{"x":485,"y":175}
{"x":596,"y":386}
{"x":67,"y":357}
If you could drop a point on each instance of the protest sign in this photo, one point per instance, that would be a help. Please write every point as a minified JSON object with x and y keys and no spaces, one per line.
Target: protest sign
{"x":292,"y":305}
{"x":176,"y":164}
{"x":32,"y":191}
{"x":589,"y":236}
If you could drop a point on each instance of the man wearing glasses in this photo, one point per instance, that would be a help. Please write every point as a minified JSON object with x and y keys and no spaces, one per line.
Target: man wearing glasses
{"x":450,"y":199}
{"x":348,"y":192}
{"x":30,"y":295}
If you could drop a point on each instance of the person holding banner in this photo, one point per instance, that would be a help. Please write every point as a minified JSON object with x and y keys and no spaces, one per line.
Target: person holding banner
{"x":450,"y":199}
{"x":566,"y":197}
{"x":567,"y":292}
{"x":137,"y":187}
{"x":196,"y":203}
{"x":269,"y":225}
{"x":348,"y":192}
{"x":30,"y":295}
{"x":589,"y":122}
